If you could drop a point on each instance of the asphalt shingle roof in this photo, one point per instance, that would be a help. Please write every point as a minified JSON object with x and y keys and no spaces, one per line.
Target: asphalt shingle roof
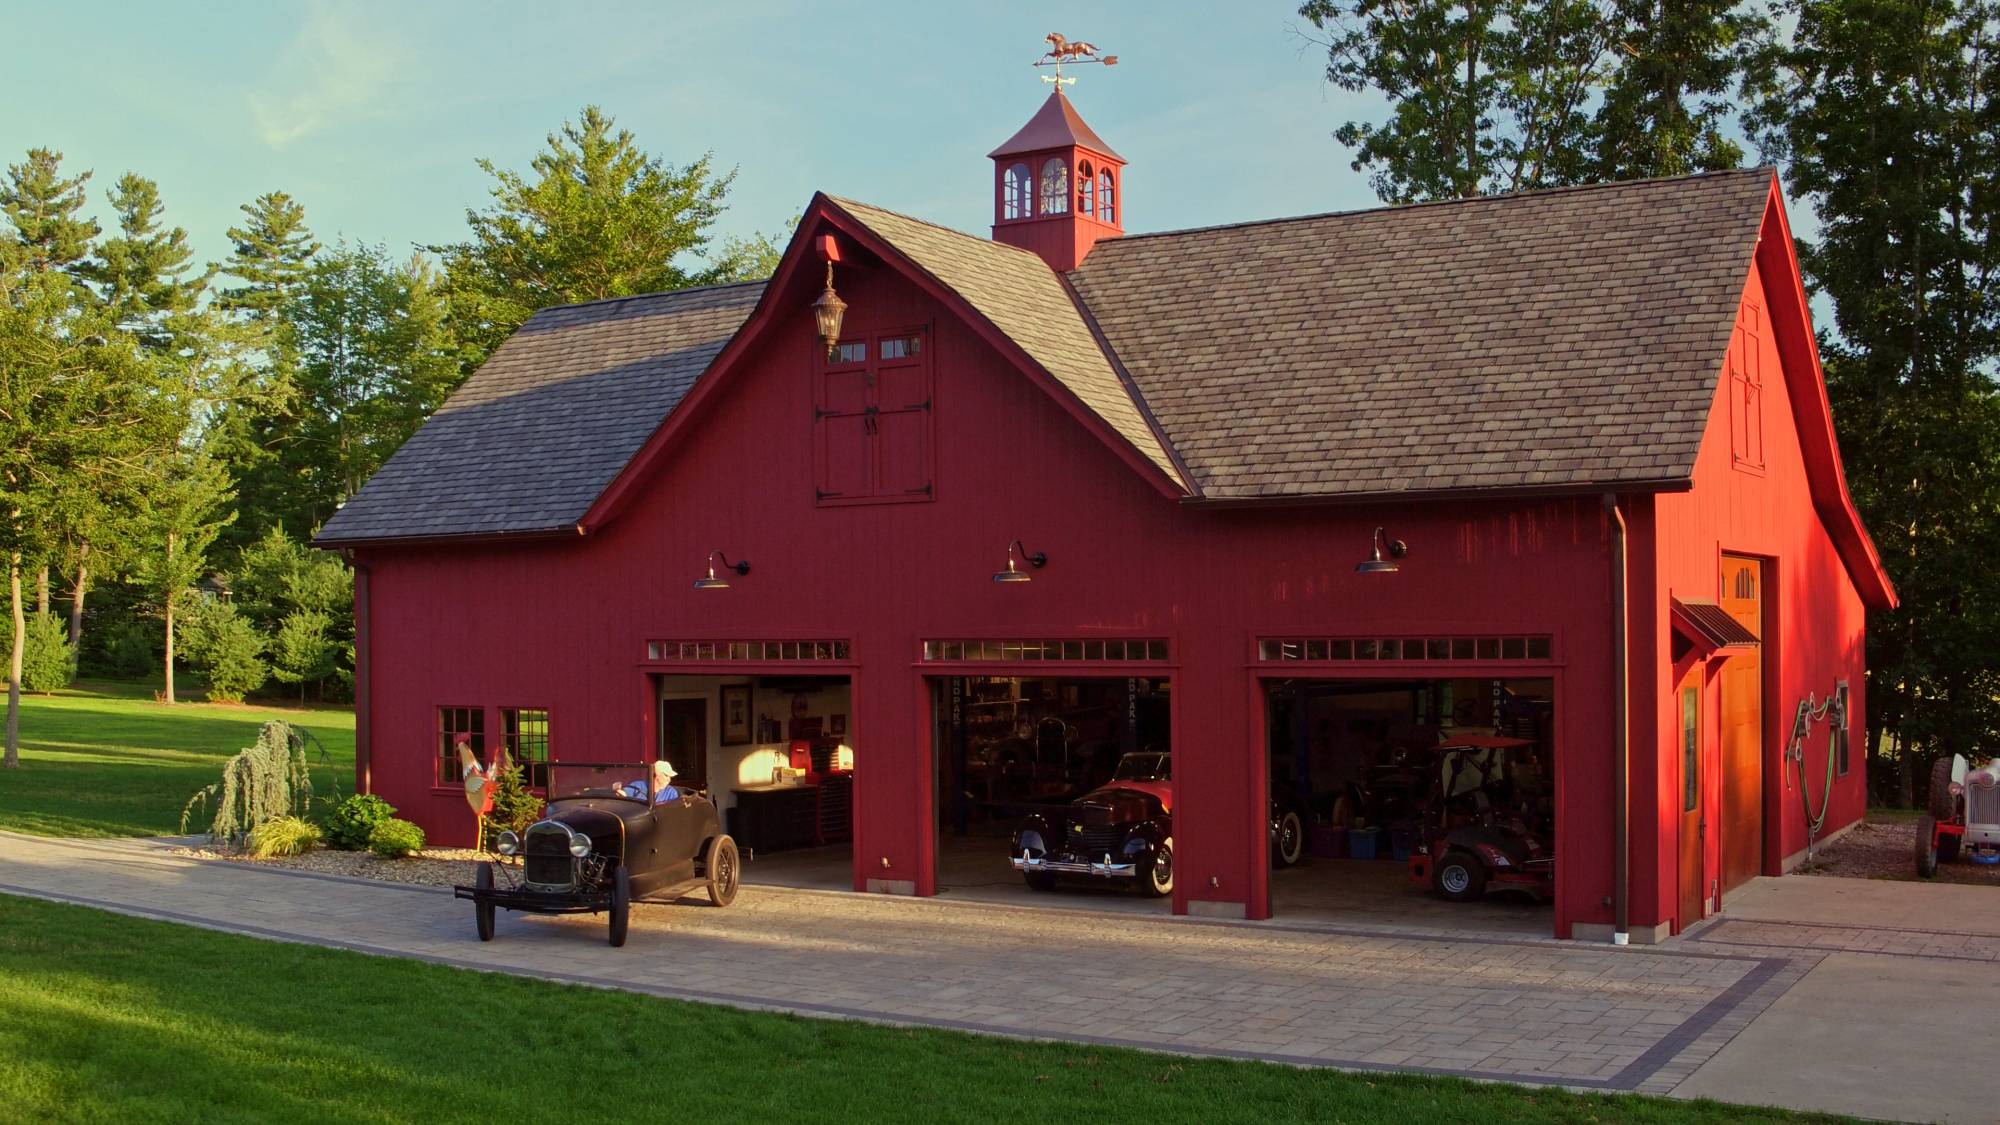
{"x":1558,"y":338}
{"x":1567,"y":338}
{"x":535,"y":435}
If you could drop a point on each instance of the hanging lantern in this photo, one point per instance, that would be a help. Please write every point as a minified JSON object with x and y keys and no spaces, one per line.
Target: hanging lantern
{"x":827,"y":313}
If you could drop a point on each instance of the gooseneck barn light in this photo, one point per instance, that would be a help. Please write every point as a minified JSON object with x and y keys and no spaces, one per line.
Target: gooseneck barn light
{"x":1038,"y":560}
{"x":1395,"y":548}
{"x":741,"y":567}
{"x":827,"y":313}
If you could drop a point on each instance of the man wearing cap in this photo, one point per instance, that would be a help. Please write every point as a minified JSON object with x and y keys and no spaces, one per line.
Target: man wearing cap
{"x":664,"y":789}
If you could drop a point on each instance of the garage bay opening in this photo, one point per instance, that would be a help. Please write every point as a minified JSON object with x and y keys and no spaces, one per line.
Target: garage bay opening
{"x":777,"y":754}
{"x":1056,"y":789}
{"x":1427,"y":802}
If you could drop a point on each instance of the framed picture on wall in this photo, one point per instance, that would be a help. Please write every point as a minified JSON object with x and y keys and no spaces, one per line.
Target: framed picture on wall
{"x":735,"y":714}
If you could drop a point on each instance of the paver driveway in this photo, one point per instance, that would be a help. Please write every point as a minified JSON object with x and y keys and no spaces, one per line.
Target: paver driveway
{"x":1539,"y":1011}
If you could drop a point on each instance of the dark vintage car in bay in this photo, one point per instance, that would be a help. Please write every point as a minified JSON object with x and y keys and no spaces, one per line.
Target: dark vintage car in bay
{"x":1123,"y":829}
{"x":609,"y":837}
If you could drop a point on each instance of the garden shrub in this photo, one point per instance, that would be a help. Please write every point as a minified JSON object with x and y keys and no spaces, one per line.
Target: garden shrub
{"x":354,"y":820}
{"x":263,"y":782}
{"x":48,"y":662}
{"x":515,"y":806}
{"x":287,"y":835}
{"x":394,"y":838}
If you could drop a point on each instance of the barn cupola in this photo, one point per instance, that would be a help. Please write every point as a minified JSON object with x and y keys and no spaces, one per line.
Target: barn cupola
{"x":1057,"y":187}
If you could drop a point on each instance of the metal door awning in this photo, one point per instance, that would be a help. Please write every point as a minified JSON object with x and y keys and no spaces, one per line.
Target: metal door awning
{"x":1710,"y":626}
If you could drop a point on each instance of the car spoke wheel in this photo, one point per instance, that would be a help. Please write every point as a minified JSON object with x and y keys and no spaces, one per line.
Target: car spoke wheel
{"x":1158,"y":881}
{"x":482,"y":912}
{"x":1927,"y":853}
{"x":725,"y":871}
{"x":1291,"y":840}
{"x":621,"y":905}
{"x":1459,"y":877}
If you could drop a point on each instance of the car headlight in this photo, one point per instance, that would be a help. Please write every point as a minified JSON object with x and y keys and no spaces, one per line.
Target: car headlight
{"x":508,"y":843}
{"x":579,"y":845}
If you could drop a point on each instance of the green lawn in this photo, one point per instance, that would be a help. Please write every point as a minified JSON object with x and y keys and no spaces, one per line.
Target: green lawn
{"x":110,"y":1018}
{"x":103,"y":759}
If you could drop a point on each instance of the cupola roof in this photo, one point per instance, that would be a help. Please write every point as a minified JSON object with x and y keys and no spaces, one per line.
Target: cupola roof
{"x":1056,"y":125}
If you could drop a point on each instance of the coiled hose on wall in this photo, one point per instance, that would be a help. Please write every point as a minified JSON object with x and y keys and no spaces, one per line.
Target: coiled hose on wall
{"x":1812,"y":711}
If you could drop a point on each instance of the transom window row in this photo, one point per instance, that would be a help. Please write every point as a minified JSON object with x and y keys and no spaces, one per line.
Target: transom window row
{"x":746,"y":650}
{"x":1152,"y":649}
{"x":1405,"y":648}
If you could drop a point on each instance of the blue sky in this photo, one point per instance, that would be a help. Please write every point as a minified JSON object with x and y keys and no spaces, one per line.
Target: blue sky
{"x":373,"y":113}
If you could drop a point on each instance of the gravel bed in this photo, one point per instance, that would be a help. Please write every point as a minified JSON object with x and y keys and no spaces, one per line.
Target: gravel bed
{"x":1888,"y":850}
{"x":438,"y":867}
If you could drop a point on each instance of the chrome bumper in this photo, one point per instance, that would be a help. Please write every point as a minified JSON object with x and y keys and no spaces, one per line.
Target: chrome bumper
{"x":1104,"y":870}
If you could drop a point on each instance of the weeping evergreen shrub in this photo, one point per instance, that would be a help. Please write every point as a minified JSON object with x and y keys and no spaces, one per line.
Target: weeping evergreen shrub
{"x":263,"y":782}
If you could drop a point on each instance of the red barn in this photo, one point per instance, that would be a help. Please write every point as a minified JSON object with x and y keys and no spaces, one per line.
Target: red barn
{"x":1584,"y":431}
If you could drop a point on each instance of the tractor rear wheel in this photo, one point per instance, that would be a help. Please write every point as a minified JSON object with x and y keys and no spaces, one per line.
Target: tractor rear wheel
{"x":1927,"y":852}
{"x":1943,"y":807}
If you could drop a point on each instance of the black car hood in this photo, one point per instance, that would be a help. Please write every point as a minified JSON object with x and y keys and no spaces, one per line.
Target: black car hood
{"x":601,"y":820}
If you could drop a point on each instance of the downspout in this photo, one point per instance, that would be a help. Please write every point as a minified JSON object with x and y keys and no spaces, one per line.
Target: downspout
{"x":363,"y":773}
{"x":1621,"y":789}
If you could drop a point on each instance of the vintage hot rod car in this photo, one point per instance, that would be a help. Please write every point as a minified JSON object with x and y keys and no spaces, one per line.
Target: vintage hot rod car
{"x":607,"y":839}
{"x":1123,"y":829}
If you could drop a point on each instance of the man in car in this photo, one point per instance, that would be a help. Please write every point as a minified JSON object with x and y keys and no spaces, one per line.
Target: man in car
{"x":664,"y":789}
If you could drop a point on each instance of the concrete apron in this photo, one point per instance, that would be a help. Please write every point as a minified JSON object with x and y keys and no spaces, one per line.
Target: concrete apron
{"x":1891,"y":1023}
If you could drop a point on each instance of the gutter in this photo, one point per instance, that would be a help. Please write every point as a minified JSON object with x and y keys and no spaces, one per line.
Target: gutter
{"x":1468,"y":495}
{"x":1621,"y":719}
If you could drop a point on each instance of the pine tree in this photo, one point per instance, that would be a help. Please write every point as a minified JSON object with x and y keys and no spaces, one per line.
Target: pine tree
{"x":273,"y":252}
{"x":187,"y":504}
{"x":597,"y":217}
{"x":145,"y":274}
{"x":45,"y":209}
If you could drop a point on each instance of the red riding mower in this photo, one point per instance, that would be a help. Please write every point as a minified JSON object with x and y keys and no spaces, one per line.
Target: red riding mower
{"x":1487,"y":825}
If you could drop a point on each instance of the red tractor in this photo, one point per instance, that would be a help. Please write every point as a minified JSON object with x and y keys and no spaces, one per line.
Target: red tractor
{"x":1964,"y":815}
{"x":1488,"y":827}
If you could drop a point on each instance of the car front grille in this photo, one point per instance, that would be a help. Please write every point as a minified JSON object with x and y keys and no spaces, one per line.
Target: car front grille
{"x":545,"y":858}
{"x":1982,"y":804}
{"x":1093,"y":842}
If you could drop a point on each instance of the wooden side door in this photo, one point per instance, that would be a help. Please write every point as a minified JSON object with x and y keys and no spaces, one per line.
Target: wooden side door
{"x":1693,"y":822}
{"x":684,"y":740}
{"x":1742,"y":706}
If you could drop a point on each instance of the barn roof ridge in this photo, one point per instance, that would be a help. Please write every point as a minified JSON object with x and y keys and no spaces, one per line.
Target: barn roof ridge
{"x":1761,"y":171}
{"x":648,"y":296}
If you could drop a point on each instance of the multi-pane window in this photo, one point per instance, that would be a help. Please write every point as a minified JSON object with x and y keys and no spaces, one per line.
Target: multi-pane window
{"x":1017,"y":193}
{"x":1690,"y":749}
{"x":1086,"y":189}
{"x":1055,"y":186}
{"x":1125,"y":650}
{"x":456,"y":725}
{"x":872,"y":433}
{"x":524,"y":732}
{"x":1106,"y":207}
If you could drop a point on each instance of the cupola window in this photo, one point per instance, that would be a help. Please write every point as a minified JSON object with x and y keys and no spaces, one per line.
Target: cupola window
{"x":1086,"y":189}
{"x":1106,"y":208}
{"x":1017,"y":200}
{"x":1055,"y":186}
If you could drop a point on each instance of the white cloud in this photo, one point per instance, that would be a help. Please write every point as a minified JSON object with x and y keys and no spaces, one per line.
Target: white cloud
{"x":341,"y":66}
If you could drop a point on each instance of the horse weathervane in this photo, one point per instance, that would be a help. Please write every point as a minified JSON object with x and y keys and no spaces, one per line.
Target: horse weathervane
{"x":1062,"y":51}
